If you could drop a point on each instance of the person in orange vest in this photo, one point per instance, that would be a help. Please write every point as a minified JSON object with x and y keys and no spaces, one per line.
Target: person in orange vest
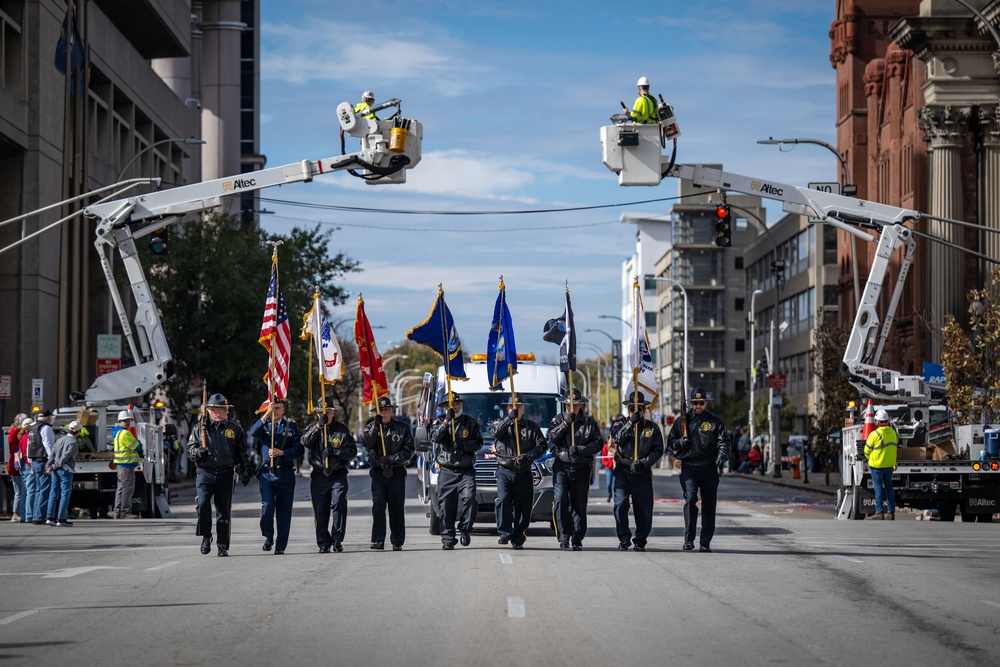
{"x":880,"y":450}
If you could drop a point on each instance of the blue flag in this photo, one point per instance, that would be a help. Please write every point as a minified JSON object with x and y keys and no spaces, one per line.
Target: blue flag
{"x":501,"y":353}
{"x":438,"y":332}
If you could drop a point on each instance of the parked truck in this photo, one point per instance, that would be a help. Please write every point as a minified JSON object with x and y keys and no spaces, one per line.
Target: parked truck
{"x":538,"y":384}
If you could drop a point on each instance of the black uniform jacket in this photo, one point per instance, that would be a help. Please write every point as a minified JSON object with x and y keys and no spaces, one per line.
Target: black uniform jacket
{"x":226,"y":445}
{"x":338,"y":449}
{"x":460,"y":454}
{"x":576,"y":450}
{"x":624,"y":438}
{"x":707,"y":441}
{"x":531,"y":439}
{"x":398,"y":442}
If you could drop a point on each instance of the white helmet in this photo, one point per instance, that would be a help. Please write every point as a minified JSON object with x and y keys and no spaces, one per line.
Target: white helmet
{"x":124,"y":416}
{"x":643,"y":81}
{"x":881,"y":415}
{"x":368,"y":95}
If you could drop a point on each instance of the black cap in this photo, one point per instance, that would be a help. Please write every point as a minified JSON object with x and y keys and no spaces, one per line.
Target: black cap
{"x":47,"y":413}
{"x":455,"y":398}
{"x":578,"y":397}
{"x":636,"y":398}
{"x":516,"y":399}
{"x":217,"y":401}
{"x":698,"y":394}
{"x":320,"y":407}
{"x":385,"y":402}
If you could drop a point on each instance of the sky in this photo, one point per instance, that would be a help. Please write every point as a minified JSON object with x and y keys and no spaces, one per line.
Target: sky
{"x":512,"y":96}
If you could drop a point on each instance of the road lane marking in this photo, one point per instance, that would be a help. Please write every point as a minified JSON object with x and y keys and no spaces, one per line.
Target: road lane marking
{"x":163,"y":566}
{"x":506,"y":559}
{"x":91,"y":550}
{"x":64,"y":573}
{"x":515,"y":607}
{"x":991,"y":602}
{"x":848,"y":558}
{"x":23,"y":614}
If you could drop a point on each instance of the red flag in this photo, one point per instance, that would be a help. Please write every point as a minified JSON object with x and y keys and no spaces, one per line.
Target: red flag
{"x":375,"y":384}
{"x":275,"y":332}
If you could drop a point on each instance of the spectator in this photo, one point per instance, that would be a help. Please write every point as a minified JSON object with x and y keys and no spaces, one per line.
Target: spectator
{"x":27,"y":479}
{"x":608,"y":461}
{"x":41,"y":440}
{"x":751,"y":462}
{"x":14,"y":465}
{"x":61,"y":467}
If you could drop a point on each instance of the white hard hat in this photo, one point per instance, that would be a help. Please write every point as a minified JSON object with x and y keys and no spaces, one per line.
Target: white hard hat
{"x":124,"y":416}
{"x":643,"y":81}
{"x":75,"y":427}
{"x":26,"y":423}
{"x":368,"y":95}
{"x":881,"y":415}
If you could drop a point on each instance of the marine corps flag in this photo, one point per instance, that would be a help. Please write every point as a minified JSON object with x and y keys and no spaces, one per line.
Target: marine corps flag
{"x":637,"y":352}
{"x":324,"y":343}
{"x":560,"y":331}
{"x":438,"y":332}
{"x":501,"y":353}
{"x":375,"y":384}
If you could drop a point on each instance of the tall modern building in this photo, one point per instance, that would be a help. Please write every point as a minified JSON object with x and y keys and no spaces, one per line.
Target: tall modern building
{"x":153,"y":90}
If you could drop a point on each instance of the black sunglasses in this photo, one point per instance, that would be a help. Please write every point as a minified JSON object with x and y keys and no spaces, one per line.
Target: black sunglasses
{"x":698,"y":402}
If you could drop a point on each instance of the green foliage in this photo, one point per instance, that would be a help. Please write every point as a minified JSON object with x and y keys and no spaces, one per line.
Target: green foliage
{"x":210,"y":292}
{"x":733,"y":409}
{"x":972,"y":364}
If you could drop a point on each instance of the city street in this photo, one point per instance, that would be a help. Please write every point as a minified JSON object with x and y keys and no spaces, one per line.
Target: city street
{"x":786,"y":583}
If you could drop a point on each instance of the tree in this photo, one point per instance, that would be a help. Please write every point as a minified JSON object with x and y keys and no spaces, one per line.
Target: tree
{"x":972,"y":364}
{"x":210,"y":291}
{"x":833,"y":388}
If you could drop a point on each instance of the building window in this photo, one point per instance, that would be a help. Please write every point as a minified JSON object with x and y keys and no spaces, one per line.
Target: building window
{"x":738,"y":262}
{"x":741,"y":345}
{"x":740,"y":301}
{"x":11,"y":53}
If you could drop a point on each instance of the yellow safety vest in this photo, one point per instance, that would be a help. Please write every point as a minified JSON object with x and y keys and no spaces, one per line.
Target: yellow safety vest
{"x":126,"y":448}
{"x":880,"y":447}
{"x":644,"y":110}
{"x":365,"y":111}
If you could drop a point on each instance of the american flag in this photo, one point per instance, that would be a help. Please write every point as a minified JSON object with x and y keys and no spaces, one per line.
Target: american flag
{"x":275,"y":328}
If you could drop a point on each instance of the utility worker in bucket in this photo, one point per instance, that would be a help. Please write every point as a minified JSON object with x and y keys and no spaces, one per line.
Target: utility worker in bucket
{"x":880,"y":450}
{"x":644,"y":110}
{"x":364,"y":107}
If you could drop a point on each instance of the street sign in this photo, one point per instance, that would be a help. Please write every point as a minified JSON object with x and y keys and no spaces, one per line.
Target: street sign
{"x":5,"y":383}
{"x":777,"y":381}
{"x":105,"y":366}
{"x":109,"y":346}
{"x":832,"y":188}
{"x":37,"y":392}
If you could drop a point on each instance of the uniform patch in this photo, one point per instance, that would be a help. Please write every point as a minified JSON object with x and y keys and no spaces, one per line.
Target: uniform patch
{"x":705,"y":426}
{"x":648,"y":433}
{"x":335,"y":442}
{"x":465,"y":433}
{"x":230,"y":433}
{"x":395,"y":437}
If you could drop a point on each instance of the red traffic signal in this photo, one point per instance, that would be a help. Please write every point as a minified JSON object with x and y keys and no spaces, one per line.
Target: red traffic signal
{"x":723,"y":226}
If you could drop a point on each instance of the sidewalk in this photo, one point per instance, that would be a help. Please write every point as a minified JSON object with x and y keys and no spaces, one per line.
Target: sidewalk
{"x":817,"y":481}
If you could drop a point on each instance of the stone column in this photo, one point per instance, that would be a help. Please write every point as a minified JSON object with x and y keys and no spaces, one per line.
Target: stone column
{"x":989,"y":159}
{"x":220,"y":90}
{"x":944,"y":127}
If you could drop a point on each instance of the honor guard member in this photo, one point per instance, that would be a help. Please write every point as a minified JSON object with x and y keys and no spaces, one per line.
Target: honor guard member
{"x":576,"y":439}
{"x":390,"y":445}
{"x":702,"y":452}
{"x":515,"y":486}
{"x":458,"y":439}
{"x":282,"y":446}
{"x":638,"y":446}
{"x":331,"y":447}
{"x":218,"y":447}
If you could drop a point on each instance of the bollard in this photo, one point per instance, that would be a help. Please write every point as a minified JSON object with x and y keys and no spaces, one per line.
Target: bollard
{"x":795,"y":468}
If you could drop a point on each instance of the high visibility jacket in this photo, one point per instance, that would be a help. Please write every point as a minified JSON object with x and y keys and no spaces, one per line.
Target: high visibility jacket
{"x":365,"y":111}
{"x":880,"y":447}
{"x":644,"y":110}
{"x":126,"y":449}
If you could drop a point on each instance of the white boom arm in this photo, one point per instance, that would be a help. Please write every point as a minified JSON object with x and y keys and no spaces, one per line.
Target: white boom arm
{"x":383,"y":158}
{"x":638,"y":160}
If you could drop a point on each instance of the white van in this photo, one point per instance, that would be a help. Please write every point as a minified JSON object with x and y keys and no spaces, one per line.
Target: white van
{"x":539,"y":386}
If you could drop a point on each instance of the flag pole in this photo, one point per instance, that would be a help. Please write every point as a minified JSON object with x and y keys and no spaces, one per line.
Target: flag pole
{"x":510,"y":374}
{"x":569,"y":371}
{"x":635,"y":347}
{"x":445,"y":357}
{"x":270,"y":373}
{"x":322,"y":376}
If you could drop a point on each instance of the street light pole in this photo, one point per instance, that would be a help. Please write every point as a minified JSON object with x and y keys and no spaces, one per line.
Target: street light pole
{"x":599,"y":395}
{"x":687,"y":376}
{"x":753,"y":360}
{"x":621,"y":382}
{"x":614,"y":341}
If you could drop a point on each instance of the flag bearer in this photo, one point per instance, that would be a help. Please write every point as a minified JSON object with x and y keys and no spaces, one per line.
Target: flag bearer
{"x":390,"y":445}
{"x":277,"y":481}
{"x":519,"y":441}
{"x":458,"y":439}
{"x":575,"y":438}
{"x":638,"y":446}
{"x":328,"y":479}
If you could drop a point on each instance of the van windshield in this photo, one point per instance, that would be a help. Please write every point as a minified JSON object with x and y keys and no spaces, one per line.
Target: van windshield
{"x":488,"y":408}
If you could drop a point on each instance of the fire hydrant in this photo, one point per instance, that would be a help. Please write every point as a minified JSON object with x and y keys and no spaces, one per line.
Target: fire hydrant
{"x":795,"y":468}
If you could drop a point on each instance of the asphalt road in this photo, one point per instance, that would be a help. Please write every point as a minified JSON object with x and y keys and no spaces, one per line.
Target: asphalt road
{"x":787,"y":584}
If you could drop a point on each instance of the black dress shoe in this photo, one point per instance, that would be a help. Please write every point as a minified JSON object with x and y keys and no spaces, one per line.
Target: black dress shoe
{"x":564,"y":544}
{"x":397,"y":547}
{"x":688,"y":546}
{"x":503,"y":540}
{"x":206,"y":545}
{"x":705,"y":549}
{"x":268,"y":543}
{"x":466,"y":539}
{"x":338,"y":547}
{"x":623,"y":546}
{"x":223,"y":552}
{"x":377,"y":545}
{"x":577,"y":546}
{"x":639,"y":547}
{"x":279,"y":552}
{"x":518,"y":547}
{"x":448,"y":547}
{"x":324,"y":550}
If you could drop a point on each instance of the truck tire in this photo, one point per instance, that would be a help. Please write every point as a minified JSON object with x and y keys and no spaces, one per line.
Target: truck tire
{"x":984,"y":518}
{"x":947,"y":512}
{"x":968,"y":518}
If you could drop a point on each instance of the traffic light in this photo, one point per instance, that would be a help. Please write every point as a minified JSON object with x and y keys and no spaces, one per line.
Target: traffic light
{"x":158,"y":242}
{"x":723,"y":226}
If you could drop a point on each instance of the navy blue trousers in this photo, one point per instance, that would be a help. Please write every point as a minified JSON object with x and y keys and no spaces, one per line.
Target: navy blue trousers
{"x":276,"y":498}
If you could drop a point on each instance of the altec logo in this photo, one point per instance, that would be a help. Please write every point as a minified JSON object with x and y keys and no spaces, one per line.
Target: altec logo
{"x":765,"y":188}
{"x":238,"y":184}
{"x":982,"y":502}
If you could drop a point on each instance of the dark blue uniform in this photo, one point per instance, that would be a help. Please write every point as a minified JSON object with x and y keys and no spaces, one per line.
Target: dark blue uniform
{"x":390,"y":446}
{"x":574,"y":444}
{"x":456,"y":459}
{"x":700,"y":454}
{"x":225,"y":451}
{"x":328,"y":480}
{"x":277,"y":485}
{"x":515,"y":486}
{"x":638,"y":447}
